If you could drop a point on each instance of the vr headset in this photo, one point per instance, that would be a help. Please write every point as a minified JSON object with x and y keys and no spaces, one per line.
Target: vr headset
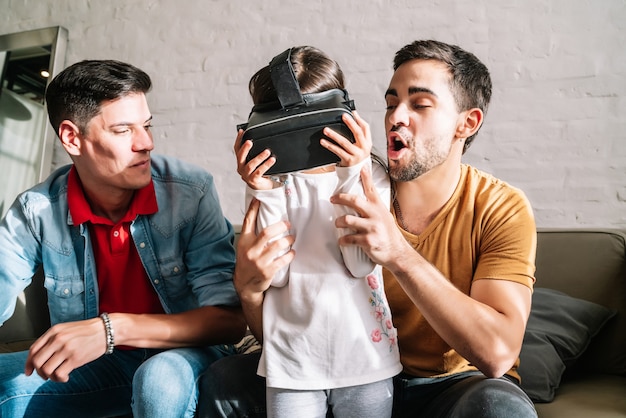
{"x":291,"y":128}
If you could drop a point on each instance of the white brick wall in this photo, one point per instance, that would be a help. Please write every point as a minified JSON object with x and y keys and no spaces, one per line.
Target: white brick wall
{"x":555,"y":127}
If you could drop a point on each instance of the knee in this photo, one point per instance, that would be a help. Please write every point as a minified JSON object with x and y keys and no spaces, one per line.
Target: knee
{"x":17,"y":389}
{"x":167,"y":385}
{"x":230,"y":371}
{"x":495,"y":398}
{"x":13,"y":381}
{"x":164,"y":373}
{"x":231,"y":387}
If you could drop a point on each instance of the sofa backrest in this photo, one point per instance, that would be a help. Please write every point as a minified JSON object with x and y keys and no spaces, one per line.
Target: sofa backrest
{"x":589,"y":264}
{"x":31,"y":317}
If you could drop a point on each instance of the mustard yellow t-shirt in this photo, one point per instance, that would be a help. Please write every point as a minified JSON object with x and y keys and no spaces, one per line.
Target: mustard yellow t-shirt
{"x":485,"y":231}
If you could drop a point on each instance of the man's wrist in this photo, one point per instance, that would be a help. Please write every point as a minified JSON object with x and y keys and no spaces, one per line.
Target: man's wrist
{"x":108,"y":330}
{"x":406,"y":258}
{"x":251,"y":299}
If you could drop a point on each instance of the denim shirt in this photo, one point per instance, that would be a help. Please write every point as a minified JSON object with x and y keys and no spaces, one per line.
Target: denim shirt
{"x":186,"y":247}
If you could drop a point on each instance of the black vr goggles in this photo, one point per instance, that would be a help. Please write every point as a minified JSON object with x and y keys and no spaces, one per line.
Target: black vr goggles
{"x":292,"y":127}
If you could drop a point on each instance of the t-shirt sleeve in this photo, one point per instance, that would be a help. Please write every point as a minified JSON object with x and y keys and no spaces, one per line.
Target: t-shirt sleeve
{"x":509,"y":241}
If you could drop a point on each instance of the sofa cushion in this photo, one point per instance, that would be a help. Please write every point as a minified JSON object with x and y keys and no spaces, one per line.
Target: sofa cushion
{"x":594,"y":395}
{"x":589,"y":264}
{"x":559,"y":330}
{"x":15,"y":346}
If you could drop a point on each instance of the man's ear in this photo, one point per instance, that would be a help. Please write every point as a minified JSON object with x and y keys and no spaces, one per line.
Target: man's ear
{"x":70,"y":137}
{"x":469,"y":123}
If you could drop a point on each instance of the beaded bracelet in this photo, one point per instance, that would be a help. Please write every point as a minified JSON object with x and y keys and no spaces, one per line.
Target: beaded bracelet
{"x":108,"y":329}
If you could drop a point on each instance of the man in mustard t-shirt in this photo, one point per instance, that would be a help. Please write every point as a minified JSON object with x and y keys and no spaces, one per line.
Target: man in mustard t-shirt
{"x":459,"y":256}
{"x":458,"y":249}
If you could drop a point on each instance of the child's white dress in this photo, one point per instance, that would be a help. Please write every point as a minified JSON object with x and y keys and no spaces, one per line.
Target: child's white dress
{"x":325,"y":325}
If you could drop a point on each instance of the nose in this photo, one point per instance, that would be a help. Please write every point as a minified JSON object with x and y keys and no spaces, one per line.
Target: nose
{"x":143,"y":140}
{"x":399,"y":115}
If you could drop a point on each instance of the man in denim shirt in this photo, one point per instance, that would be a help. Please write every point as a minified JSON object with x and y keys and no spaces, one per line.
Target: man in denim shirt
{"x":137,"y":259}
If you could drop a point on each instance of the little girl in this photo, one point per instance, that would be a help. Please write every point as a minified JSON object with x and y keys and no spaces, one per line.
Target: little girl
{"x":328,"y":338}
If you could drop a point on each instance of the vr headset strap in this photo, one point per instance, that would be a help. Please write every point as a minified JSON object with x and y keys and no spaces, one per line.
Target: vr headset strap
{"x":284,"y":80}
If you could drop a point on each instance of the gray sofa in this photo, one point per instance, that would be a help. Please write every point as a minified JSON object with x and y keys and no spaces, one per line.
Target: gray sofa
{"x":590,"y":266}
{"x":574,"y":354}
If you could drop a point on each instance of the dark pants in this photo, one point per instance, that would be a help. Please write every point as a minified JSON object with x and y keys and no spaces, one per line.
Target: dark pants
{"x":468,"y":394}
{"x":231,"y":388}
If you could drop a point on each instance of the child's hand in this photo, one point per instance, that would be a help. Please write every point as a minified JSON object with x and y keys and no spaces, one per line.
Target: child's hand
{"x":350,"y":153}
{"x":252,"y":172}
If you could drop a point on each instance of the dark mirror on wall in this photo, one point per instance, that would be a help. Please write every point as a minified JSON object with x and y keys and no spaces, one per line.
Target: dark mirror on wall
{"x":28,"y":60}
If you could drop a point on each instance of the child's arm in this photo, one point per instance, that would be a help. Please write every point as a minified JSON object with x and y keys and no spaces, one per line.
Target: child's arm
{"x":353,"y":156}
{"x":269,"y":193}
{"x":272,"y":210}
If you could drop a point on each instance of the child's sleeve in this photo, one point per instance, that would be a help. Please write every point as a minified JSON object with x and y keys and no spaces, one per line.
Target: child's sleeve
{"x":355,"y":259}
{"x":273,"y":209}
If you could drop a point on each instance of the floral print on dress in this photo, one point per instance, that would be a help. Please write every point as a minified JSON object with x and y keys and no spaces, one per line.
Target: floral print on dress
{"x":382,"y":314}
{"x":283,"y":179}
{"x":288,"y":190}
{"x":287,"y":186}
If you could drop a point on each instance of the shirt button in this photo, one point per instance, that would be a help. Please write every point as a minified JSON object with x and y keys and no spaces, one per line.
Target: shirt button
{"x":142,"y":245}
{"x":156,"y":281}
{"x":116,"y":234}
{"x":176,"y":269}
{"x":66,"y":291}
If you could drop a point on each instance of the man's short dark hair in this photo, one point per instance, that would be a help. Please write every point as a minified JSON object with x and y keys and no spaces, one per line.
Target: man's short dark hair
{"x":78,"y":91}
{"x":470,"y":81}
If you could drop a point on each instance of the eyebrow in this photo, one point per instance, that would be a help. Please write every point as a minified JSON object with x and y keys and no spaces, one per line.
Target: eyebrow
{"x":124,"y":123}
{"x":412,"y":90}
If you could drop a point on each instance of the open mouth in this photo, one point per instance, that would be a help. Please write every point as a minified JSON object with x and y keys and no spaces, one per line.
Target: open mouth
{"x":395,"y":142}
{"x":397,"y":145}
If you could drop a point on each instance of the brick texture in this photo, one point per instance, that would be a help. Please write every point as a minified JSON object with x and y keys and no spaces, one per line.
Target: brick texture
{"x":556,"y":124}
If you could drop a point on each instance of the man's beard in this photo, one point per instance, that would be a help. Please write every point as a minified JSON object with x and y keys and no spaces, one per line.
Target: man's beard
{"x":431,"y":157}
{"x":407,"y":172}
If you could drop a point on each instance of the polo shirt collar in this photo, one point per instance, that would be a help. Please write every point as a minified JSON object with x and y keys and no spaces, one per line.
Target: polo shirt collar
{"x":144,"y":202}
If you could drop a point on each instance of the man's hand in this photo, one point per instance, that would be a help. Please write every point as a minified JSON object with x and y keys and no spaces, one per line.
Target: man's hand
{"x":256,"y":261}
{"x":375,"y":230}
{"x":256,"y":264}
{"x":65,"y":347}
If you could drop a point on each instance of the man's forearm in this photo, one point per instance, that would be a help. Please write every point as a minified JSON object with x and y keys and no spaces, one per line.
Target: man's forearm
{"x":208,"y":325}
{"x":486,"y":327}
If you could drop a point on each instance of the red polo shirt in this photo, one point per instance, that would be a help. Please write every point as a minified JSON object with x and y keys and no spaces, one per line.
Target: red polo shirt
{"x":123,"y":283}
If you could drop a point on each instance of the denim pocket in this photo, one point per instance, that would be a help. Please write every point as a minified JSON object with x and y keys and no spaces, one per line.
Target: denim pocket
{"x":174,"y":274}
{"x":65,"y":298}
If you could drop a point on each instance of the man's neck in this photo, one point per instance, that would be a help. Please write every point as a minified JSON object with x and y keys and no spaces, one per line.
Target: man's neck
{"x":108,"y":204}
{"x":420,"y":200}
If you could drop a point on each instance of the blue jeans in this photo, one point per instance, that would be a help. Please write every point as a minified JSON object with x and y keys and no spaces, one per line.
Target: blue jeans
{"x":231,"y":388}
{"x":146,"y":382}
